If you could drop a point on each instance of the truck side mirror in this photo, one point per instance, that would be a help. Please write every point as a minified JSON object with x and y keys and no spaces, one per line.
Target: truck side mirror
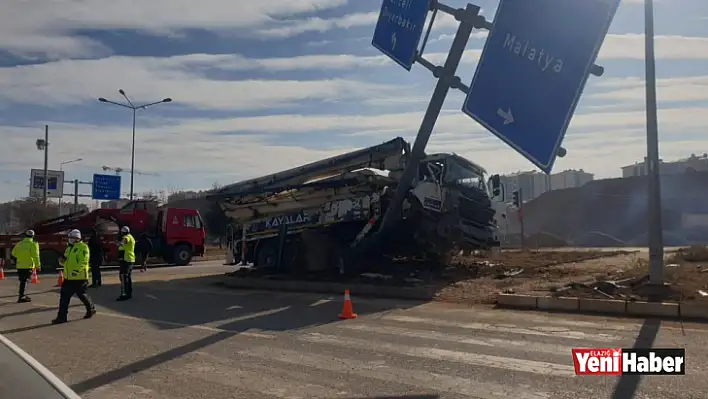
{"x":495,"y":185}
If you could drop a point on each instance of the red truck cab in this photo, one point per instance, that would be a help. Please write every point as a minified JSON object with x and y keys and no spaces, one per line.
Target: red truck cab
{"x":177,"y":234}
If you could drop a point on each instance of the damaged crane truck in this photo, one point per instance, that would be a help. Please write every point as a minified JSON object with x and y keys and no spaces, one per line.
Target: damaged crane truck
{"x":313,"y":218}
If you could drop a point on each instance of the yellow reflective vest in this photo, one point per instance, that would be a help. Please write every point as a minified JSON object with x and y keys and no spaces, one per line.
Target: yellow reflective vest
{"x":76,"y":262}
{"x":27,"y":254}
{"x":127,"y":245}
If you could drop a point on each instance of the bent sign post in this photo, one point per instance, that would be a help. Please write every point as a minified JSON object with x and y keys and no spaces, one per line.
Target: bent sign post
{"x":532,"y":71}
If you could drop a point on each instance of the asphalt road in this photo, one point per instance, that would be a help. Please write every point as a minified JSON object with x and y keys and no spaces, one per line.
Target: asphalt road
{"x":183,"y":338}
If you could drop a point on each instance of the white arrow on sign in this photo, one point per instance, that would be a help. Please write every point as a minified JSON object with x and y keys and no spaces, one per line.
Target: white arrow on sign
{"x":507,"y":115}
{"x":393,"y":41}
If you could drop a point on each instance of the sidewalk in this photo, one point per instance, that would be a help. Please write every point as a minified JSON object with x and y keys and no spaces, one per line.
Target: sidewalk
{"x":23,"y":377}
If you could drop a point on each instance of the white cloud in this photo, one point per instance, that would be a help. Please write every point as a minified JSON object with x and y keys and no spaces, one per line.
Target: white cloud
{"x":46,"y":26}
{"x":76,"y":81}
{"x":693,"y":88}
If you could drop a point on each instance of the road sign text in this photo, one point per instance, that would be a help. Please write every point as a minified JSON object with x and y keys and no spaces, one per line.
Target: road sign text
{"x":538,"y":55}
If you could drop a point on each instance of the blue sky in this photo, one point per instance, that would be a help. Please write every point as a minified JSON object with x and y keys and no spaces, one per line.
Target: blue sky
{"x":263,"y":86}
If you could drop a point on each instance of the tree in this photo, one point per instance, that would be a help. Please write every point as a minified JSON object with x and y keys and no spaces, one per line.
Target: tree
{"x":30,"y":210}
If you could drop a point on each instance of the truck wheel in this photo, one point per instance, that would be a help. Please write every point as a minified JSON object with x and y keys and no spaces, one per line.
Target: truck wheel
{"x":182,"y":255}
{"x":49,"y":260}
{"x":267,"y":256}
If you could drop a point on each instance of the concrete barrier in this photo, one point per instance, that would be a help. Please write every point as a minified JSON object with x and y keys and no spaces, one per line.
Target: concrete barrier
{"x":694,"y":310}
{"x":603,"y":306}
{"x":560,"y":303}
{"x":655,"y":309}
{"x":517,"y":301}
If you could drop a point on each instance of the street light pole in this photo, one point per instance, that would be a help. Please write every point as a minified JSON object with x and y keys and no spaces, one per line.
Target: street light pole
{"x":134,"y":109}
{"x":656,"y":244}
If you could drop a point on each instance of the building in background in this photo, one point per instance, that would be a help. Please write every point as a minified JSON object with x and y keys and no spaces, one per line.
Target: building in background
{"x":532,"y":184}
{"x":117,"y":204}
{"x":690,"y":164}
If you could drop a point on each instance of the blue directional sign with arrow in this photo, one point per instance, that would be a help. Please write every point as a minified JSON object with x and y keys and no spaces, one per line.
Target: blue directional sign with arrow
{"x":532,"y":71}
{"x":399,"y":28}
{"x":105,"y":187}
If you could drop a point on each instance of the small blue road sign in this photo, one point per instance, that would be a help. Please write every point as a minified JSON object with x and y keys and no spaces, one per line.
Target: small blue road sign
{"x":533,"y":69}
{"x":105,"y":187}
{"x":399,"y":28}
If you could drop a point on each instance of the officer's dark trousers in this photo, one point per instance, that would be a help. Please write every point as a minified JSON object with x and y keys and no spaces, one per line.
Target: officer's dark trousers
{"x":96,"y":273}
{"x":125,"y":272}
{"x":70,"y":288}
{"x":23,"y":275}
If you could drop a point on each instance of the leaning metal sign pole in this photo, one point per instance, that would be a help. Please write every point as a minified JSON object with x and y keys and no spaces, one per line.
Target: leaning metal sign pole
{"x":469,"y":19}
{"x":573,"y":30}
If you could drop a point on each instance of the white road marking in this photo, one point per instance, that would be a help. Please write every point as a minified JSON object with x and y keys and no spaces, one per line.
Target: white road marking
{"x":508,"y":328}
{"x":524,"y":345}
{"x":507,"y":363}
{"x":382,"y":372}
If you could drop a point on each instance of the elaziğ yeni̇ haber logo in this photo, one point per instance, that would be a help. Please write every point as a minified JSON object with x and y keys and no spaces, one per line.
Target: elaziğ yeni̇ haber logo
{"x":617,"y":361}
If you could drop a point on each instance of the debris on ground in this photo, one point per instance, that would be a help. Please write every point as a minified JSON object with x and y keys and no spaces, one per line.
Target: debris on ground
{"x":686,"y":275}
{"x":474,"y":278}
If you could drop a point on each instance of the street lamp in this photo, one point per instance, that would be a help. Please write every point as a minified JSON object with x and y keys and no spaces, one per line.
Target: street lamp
{"x":134,"y":108}
{"x":61,"y":165}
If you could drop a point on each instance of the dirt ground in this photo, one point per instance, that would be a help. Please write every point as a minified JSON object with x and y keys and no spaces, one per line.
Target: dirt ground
{"x":479,"y":279}
{"x":476,"y":278}
{"x":686,"y":275}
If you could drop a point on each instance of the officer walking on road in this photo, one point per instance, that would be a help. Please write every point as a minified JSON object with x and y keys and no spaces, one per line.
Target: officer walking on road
{"x":26,"y":252}
{"x":126,"y":259}
{"x":96,"y":260}
{"x":76,"y":276}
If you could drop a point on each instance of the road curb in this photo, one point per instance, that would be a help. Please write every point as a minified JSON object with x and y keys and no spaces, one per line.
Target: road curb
{"x":666,"y":310}
{"x":364,"y":290}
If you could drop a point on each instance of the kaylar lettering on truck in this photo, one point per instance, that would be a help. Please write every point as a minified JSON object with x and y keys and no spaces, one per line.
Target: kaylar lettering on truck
{"x":295,"y":218}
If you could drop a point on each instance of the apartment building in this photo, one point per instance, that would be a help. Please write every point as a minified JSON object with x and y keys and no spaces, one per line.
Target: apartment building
{"x":692,"y":163}
{"x":532,"y":184}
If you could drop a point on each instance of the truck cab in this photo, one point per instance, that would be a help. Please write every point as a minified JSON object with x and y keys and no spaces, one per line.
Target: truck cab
{"x":178,"y":234}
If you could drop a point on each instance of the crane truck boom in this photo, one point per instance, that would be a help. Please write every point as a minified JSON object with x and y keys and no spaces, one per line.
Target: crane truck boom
{"x":308,"y":217}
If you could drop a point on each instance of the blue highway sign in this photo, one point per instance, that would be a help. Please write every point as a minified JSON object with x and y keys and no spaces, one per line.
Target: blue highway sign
{"x":399,"y":28}
{"x":533,"y":69}
{"x":105,"y":187}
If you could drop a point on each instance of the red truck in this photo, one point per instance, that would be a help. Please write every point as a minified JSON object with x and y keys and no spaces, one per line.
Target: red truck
{"x":177,"y":234}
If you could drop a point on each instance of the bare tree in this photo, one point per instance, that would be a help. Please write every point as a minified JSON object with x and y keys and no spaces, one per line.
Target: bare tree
{"x":30,"y":211}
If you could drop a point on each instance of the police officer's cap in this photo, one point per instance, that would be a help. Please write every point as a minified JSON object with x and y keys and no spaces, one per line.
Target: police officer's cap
{"x":75,"y":234}
{"x":29,"y":233}
{"x":125,"y":229}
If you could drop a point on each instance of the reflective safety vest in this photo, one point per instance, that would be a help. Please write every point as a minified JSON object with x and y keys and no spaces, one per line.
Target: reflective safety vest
{"x":76,"y":264}
{"x":27,"y":254}
{"x":127,"y":245}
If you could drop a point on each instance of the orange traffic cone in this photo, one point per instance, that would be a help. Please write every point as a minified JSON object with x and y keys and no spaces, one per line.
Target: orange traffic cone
{"x":35,"y":278}
{"x":347,"y":310}
{"x":2,"y":269}
{"x":60,"y":278}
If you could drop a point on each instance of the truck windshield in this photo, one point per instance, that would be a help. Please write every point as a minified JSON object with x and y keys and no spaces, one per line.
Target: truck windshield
{"x":464,"y":176}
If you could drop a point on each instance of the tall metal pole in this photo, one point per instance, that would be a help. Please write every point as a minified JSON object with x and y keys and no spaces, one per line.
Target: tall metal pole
{"x":445,"y":76}
{"x":46,"y":165}
{"x":132,"y":159}
{"x":656,"y":239}
{"x":76,"y":195}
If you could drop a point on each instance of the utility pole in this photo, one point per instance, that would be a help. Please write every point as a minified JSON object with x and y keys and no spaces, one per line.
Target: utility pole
{"x":656,"y":239}
{"x":46,"y":165}
{"x":521,"y":219}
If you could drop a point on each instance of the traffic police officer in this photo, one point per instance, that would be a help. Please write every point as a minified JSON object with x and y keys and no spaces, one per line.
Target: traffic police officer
{"x":76,"y":276}
{"x":26,"y":252}
{"x":126,"y":259}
